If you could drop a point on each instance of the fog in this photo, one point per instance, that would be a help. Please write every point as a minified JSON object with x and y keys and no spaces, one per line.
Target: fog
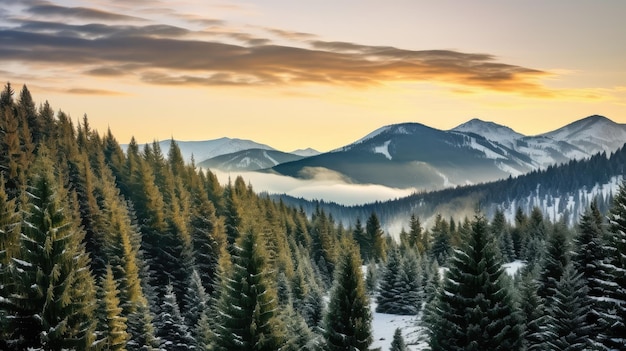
{"x":321,"y":184}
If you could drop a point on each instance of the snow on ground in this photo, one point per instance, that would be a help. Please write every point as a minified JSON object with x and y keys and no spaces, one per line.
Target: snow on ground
{"x":512,"y":268}
{"x":384,"y":325}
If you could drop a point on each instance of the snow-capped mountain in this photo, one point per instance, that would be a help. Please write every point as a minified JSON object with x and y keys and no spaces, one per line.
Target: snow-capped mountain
{"x":575,"y":141}
{"x":206,"y":149}
{"x":491,"y":131}
{"x":308,"y":152}
{"x":249,"y":160}
{"x":592,"y":134}
{"x":415,"y":155}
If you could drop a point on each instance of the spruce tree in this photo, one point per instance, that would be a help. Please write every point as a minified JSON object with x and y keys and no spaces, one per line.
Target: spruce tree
{"x":613,"y":302}
{"x":375,"y":234}
{"x":170,"y":325}
{"x":567,"y":326}
{"x":248,"y":316}
{"x":347,"y":323}
{"x":112,"y":324}
{"x":54,"y":295}
{"x":389,"y":297}
{"x":474,"y":310}
{"x":554,"y":262}
{"x":397,"y":344}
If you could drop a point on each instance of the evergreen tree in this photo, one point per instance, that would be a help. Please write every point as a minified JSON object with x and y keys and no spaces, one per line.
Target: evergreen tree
{"x":568,"y":327}
{"x":554,"y":262}
{"x":375,"y":234}
{"x":533,"y":314}
{"x":442,"y":246}
{"x":54,"y":295}
{"x":112,"y":324}
{"x":613,"y":306}
{"x":389,"y":298}
{"x":170,"y":325}
{"x":397,"y":344}
{"x":416,"y":237}
{"x":347,"y":323}
{"x":248,"y":303}
{"x":475,"y":310}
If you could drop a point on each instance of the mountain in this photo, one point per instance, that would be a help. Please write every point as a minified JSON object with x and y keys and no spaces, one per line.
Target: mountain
{"x":592,"y":134}
{"x":249,"y":160}
{"x":490,"y":131}
{"x":560,"y":192}
{"x":414,"y":155}
{"x":206,"y":149}
{"x":308,"y":152}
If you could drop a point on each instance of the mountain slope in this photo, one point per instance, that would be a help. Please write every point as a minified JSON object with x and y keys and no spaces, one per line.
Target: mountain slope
{"x":413,"y":155}
{"x":249,"y":160}
{"x":592,"y":134}
{"x":206,"y":149}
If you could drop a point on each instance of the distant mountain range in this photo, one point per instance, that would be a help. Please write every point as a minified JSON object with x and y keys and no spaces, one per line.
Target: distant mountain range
{"x":415,"y":155}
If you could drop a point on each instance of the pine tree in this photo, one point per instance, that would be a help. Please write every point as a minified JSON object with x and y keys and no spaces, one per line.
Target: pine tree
{"x":389,"y":298}
{"x":613,"y":306}
{"x":248,"y":304}
{"x":112,"y":323}
{"x":347,"y":324}
{"x":474,"y":309}
{"x":375,"y":234}
{"x":554,"y":262}
{"x":416,"y":237}
{"x":397,"y":344}
{"x":53,"y":302}
{"x":567,"y":325}
{"x":533,"y":314}
{"x":170,"y":325}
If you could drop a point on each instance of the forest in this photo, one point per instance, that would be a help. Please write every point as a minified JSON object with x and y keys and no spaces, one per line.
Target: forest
{"x":102,"y":249}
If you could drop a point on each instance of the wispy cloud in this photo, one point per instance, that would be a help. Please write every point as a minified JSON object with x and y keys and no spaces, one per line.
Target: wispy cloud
{"x":162,"y":53}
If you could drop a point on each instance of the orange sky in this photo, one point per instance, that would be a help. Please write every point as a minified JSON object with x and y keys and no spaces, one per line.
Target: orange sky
{"x":319,"y":74}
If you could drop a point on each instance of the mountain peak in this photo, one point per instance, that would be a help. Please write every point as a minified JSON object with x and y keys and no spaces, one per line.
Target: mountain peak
{"x":489,"y":130}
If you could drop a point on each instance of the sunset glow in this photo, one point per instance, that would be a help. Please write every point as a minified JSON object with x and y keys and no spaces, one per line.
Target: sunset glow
{"x":321,"y":75}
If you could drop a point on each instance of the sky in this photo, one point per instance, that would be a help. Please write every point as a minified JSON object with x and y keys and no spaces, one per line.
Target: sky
{"x":320,"y":74}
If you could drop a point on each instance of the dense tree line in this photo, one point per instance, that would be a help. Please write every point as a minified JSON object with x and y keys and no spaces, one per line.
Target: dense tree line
{"x":105,"y":249}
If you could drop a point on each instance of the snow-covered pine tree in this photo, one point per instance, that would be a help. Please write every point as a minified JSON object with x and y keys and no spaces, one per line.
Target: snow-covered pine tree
{"x":54,"y":293}
{"x":588,"y":258}
{"x":389,"y":298}
{"x":347,"y":323}
{"x":474,"y":310}
{"x":532,"y":311}
{"x":567,"y":323}
{"x":613,"y":306}
{"x":170,"y":325}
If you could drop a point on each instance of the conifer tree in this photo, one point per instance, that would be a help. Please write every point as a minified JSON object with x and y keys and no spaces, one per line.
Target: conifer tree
{"x":248,"y":318}
{"x":567,"y":325}
{"x":389,"y":296}
{"x":170,"y":325}
{"x":533,"y":313}
{"x":474,"y":310}
{"x":375,"y":234}
{"x":347,"y":323}
{"x":112,"y":324}
{"x":397,"y":344}
{"x":54,"y":297}
{"x":416,"y":237}
{"x":613,"y":307}
{"x":554,"y":262}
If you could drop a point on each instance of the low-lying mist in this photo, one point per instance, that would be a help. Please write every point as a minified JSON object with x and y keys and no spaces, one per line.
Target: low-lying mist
{"x":321,"y":184}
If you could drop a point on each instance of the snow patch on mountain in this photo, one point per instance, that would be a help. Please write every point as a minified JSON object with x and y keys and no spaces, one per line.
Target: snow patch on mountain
{"x":383,"y":149}
{"x":308,"y":152}
{"x":490,"y":131}
{"x":270,"y":158}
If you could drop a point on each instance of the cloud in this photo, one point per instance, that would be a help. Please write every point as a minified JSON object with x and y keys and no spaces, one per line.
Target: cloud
{"x":86,"y":91}
{"x":321,"y":187}
{"x":82,"y":13}
{"x":161,"y":53}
